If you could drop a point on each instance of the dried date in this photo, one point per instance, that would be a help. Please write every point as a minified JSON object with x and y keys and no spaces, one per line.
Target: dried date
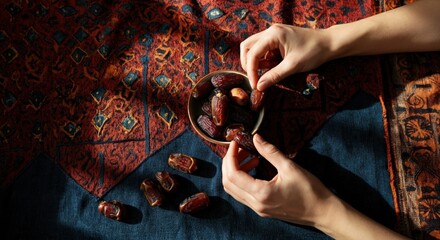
{"x":257,"y":100}
{"x":219,"y":108}
{"x":232,"y":129}
{"x":228,"y":103}
{"x":209,"y":127}
{"x":194,"y":203}
{"x":152,"y":192}
{"x":227,"y":80}
{"x":182,"y":162}
{"x":202,"y":90}
{"x":112,"y":209}
{"x":239,"y":96}
{"x":167,"y":181}
{"x":206,"y":107}
{"x":245,"y":141}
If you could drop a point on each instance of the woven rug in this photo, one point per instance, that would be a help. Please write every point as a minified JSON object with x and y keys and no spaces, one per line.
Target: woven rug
{"x":414,"y":138}
{"x":99,"y":87}
{"x":412,"y":110}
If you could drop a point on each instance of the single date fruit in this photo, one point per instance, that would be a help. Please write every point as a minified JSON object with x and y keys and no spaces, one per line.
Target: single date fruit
{"x":182,"y":162}
{"x":239,"y":96}
{"x":227,"y":80}
{"x":206,"y":107}
{"x":209,"y":127}
{"x":219,"y":108}
{"x":152,"y":193}
{"x":232,"y":129}
{"x":194,"y":203}
{"x":202,"y":89}
{"x":167,"y":181}
{"x":245,"y":141}
{"x":112,"y":209}
{"x":257,"y":100}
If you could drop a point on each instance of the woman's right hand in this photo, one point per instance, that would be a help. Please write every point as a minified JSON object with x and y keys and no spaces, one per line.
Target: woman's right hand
{"x":302,"y":50}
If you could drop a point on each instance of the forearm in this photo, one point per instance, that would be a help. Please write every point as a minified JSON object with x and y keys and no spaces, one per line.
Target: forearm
{"x":411,"y":28}
{"x":344,"y":222}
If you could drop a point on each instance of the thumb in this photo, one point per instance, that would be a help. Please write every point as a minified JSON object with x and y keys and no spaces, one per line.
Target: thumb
{"x":270,"y":152}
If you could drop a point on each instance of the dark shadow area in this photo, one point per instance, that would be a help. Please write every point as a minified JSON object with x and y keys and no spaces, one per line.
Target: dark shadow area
{"x":30,"y":207}
{"x":132,"y":215}
{"x":217,"y":208}
{"x":205,"y":169}
{"x":292,"y":118}
{"x":348,"y":186}
{"x":185,"y":189}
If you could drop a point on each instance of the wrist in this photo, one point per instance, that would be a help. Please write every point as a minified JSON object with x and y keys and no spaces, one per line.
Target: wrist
{"x":333,"y":209}
{"x":341,"y":221}
{"x":339,"y":43}
{"x":349,"y":39}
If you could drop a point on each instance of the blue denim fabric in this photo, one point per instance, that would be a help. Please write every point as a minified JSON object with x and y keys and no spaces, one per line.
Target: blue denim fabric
{"x":348,"y":154}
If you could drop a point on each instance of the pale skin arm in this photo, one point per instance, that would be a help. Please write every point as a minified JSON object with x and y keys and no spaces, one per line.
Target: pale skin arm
{"x":295,"y":195}
{"x":411,"y":28}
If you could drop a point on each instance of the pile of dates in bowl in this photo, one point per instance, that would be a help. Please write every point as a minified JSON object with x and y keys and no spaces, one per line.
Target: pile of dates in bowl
{"x":223,"y":107}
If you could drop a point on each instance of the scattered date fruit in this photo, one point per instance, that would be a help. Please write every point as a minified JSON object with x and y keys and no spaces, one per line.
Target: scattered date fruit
{"x":112,"y":209}
{"x":194,"y":203}
{"x":169,"y":184}
{"x":182,"y":162}
{"x":152,"y":192}
{"x":167,"y":181}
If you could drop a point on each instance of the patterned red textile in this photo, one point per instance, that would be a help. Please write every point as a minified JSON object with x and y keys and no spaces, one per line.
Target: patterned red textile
{"x":413,"y":137}
{"x":100,"y":86}
{"x":414,"y":129}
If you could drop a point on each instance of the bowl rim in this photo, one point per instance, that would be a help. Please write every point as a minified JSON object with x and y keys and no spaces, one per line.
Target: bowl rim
{"x":193,"y":120}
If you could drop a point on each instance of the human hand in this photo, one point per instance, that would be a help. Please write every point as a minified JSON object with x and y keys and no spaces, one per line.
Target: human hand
{"x":302,"y":49}
{"x":293,"y":195}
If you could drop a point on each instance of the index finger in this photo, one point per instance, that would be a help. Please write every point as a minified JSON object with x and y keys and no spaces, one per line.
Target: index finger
{"x":245,"y":46}
{"x":253,"y":57}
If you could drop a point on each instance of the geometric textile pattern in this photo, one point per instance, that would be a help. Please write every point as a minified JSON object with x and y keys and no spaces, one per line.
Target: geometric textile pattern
{"x":101,"y":86}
